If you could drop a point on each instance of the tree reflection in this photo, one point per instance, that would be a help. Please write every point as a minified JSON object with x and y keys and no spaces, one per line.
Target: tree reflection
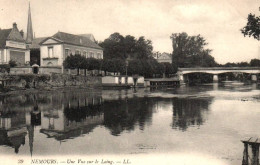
{"x":189,"y":112}
{"x":80,"y":113}
{"x":125,"y":114}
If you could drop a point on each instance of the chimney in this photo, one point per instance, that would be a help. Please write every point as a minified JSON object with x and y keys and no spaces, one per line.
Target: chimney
{"x":22,"y":33}
{"x":14,"y":25}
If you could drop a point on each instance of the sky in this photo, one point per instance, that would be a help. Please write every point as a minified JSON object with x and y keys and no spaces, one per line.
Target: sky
{"x":219,"y":22}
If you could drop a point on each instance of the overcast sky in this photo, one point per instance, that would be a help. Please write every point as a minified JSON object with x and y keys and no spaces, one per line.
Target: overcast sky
{"x":219,"y":22}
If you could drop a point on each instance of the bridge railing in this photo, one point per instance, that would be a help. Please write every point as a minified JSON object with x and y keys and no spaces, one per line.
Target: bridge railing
{"x":220,"y":68}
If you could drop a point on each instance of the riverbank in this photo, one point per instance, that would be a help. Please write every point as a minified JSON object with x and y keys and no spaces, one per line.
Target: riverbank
{"x":45,"y":82}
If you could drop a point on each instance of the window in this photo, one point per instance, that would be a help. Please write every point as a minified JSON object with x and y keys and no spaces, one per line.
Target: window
{"x":99,"y":56}
{"x":66,"y":53}
{"x":85,"y":54}
{"x":91,"y":55}
{"x":77,"y":52}
{"x":50,"y":51}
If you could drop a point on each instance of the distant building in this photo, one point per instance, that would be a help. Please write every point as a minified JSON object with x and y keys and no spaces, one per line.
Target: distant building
{"x":163,"y":57}
{"x":55,"y":49}
{"x":13,"y":46}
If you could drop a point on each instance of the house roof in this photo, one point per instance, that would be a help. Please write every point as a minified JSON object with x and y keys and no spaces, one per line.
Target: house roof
{"x":75,"y":40}
{"x":15,"y":35}
{"x":36,"y":43}
{"x":4,"y":33}
{"x":12,"y":34}
{"x":89,"y":36}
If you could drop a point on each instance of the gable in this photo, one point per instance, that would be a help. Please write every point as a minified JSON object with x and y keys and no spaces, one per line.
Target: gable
{"x":50,"y":41}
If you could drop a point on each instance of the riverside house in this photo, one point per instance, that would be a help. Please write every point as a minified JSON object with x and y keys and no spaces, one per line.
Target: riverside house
{"x":55,"y":49}
{"x":13,"y":46}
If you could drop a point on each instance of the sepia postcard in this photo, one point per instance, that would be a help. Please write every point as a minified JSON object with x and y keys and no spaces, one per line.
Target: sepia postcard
{"x":129,"y":82}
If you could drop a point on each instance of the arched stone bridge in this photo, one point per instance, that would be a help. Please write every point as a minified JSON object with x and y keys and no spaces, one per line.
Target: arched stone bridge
{"x":215,"y":71}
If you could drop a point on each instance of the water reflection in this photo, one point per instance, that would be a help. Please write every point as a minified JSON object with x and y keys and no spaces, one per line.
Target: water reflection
{"x":12,"y":129}
{"x":77,"y":116}
{"x":59,"y":115}
{"x":125,"y":114}
{"x":67,"y":115}
{"x":189,"y":112}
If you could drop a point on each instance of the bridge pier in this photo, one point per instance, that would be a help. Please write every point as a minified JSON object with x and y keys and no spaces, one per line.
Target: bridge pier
{"x":181,"y":78}
{"x":253,"y":77}
{"x":215,"y":78}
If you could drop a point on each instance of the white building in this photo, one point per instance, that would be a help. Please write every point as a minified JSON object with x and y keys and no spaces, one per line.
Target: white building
{"x":55,"y":49}
{"x":163,"y":57}
{"x":13,"y":46}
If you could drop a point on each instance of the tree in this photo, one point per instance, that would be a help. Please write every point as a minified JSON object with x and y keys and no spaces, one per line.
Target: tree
{"x":92,"y":64}
{"x":190,"y":51}
{"x":145,"y":67}
{"x":255,"y":62}
{"x":252,"y":27}
{"x":120,"y":47}
{"x":114,"y":46}
{"x":105,"y":65}
{"x":75,"y":62}
{"x":169,"y":68}
{"x":143,"y":49}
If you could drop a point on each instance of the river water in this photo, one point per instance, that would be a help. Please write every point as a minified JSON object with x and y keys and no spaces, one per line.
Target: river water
{"x":203,"y":123}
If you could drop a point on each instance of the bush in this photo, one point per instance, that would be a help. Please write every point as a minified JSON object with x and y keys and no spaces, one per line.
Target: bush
{"x":12,"y":63}
{"x":4,"y":68}
{"x":43,"y":78}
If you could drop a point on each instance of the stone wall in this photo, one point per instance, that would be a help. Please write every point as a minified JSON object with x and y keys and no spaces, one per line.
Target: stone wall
{"x":48,"y":81}
{"x":21,"y":70}
{"x":49,"y":70}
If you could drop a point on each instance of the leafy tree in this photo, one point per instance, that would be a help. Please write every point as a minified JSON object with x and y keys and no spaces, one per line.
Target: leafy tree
{"x":120,"y":47}
{"x":135,"y":67}
{"x":238,"y":64}
{"x":130,"y":44}
{"x":105,"y":65}
{"x":190,"y":51}
{"x":92,"y":64}
{"x":252,"y":27}
{"x":144,"y":67}
{"x":75,"y":62}
{"x":169,"y":68}
{"x":113,"y":46}
{"x":255,"y":62}
{"x":143,"y":49}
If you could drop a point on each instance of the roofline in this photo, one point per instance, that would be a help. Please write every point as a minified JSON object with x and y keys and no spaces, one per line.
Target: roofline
{"x":80,"y":35}
{"x":83,"y":46}
{"x":62,"y":42}
{"x":40,"y":43}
